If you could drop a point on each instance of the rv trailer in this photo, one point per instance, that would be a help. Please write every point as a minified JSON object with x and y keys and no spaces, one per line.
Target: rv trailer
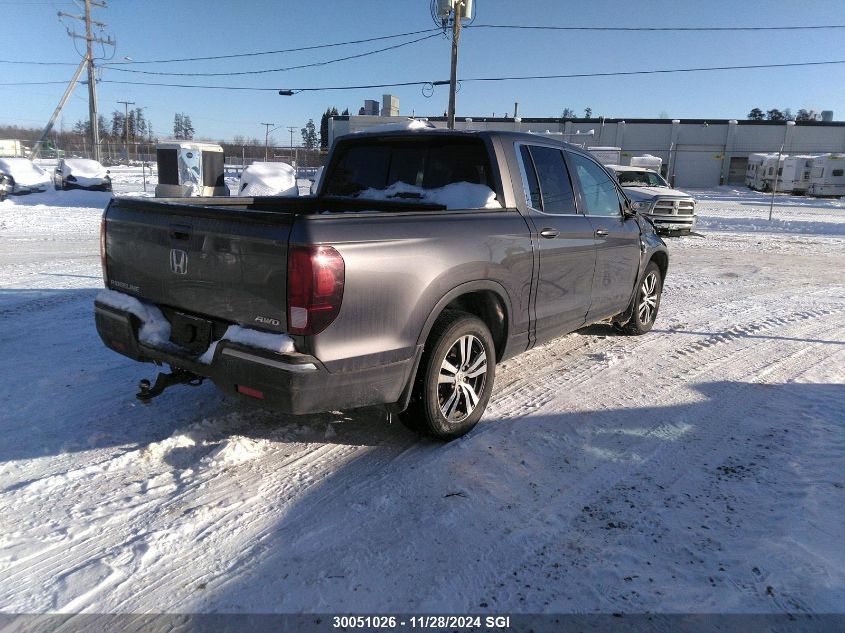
{"x":827,"y":177}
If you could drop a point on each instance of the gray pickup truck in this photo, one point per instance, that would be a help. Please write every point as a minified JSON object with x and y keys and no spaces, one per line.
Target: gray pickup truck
{"x":424,"y":259}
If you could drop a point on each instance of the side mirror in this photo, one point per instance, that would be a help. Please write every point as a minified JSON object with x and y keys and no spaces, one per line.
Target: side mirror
{"x":628,"y":210}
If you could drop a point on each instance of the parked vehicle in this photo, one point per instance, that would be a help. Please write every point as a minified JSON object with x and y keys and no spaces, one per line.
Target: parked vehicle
{"x":10,"y":148}
{"x":754,"y":171}
{"x":827,"y":176}
{"x":81,"y":173}
{"x":671,"y":210}
{"x":187,"y":169}
{"x":23,"y":175}
{"x":4,"y":187}
{"x":268,"y":179}
{"x":425,"y":258}
{"x":796,"y":174}
{"x":771,"y":171}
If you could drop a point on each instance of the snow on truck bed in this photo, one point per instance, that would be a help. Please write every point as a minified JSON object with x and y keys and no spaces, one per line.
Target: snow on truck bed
{"x":694,"y":469}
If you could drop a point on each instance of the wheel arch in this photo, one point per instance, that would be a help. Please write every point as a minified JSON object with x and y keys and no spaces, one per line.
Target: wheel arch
{"x":485,"y":299}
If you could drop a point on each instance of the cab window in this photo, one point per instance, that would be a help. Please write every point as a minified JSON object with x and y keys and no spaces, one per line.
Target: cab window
{"x":548,"y":183}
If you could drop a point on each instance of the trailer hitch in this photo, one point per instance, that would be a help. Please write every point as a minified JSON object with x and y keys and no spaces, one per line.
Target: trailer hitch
{"x":146,"y":392}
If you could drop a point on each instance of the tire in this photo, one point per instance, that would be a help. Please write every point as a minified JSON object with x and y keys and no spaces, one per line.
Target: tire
{"x":445,"y":412}
{"x":646,"y":301}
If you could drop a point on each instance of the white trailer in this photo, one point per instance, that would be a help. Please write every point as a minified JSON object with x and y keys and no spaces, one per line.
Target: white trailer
{"x":771,"y":169}
{"x":11,"y":148}
{"x":753,"y":172}
{"x":607,"y":155}
{"x":796,"y":174}
{"x":189,"y":169}
{"x":827,"y":176}
{"x":647,"y":161}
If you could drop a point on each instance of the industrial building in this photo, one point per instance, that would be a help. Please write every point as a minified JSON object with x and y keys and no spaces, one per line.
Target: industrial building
{"x":695,"y":152}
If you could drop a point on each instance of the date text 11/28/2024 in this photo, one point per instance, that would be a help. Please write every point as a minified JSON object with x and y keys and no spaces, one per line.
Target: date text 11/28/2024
{"x":468,"y":622}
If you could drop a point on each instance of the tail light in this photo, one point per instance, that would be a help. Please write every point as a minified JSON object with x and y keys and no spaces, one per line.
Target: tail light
{"x":316,"y":276}
{"x":103,"y":260}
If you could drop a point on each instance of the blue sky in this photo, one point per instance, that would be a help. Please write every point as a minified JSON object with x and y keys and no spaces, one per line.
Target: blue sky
{"x":155,"y":29}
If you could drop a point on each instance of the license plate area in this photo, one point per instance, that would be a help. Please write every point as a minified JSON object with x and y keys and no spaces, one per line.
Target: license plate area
{"x":191,"y":332}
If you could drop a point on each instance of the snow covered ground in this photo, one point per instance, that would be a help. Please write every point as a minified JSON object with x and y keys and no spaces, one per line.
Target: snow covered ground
{"x":696,"y":469}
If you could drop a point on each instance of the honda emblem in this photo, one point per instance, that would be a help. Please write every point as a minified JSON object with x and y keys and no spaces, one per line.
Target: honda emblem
{"x":178,"y":261}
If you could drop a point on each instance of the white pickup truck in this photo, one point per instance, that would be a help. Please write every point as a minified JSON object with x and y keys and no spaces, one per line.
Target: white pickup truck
{"x":670,"y":210}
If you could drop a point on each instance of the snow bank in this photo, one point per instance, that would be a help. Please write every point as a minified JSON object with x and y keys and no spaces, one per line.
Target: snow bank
{"x":155,"y":329}
{"x":268,"y":179}
{"x":457,"y":195}
{"x":279,"y":343}
{"x":236,"y":450}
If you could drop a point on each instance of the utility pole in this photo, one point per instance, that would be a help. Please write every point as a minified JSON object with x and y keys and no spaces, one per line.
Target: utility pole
{"x":68,"y":91}
{"x":89,"y":58}
{"x":126,"y":105}
{"x":457,"y":9}
{"x":292,"y":129}
{"x":267,"y":127}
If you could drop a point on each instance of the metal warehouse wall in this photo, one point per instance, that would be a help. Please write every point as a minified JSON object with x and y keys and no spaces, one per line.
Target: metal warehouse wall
{"x":695,"y":152}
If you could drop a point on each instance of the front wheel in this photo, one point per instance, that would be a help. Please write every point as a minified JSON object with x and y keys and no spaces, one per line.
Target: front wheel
{"x":455,"y":378}
{"x":646,"y":301}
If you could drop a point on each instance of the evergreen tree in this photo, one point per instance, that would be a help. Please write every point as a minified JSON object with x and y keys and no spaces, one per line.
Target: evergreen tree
{"x":568,"y":113}
{"x":117,"y":124}
{"x":756,"y":115}
{"x":588,"y":112}
{"x":309,"y":135}
{"x":188,"y":127}
{"x":775,"y":115}
{"x":178,"y":126}
{"x":324,"y":126}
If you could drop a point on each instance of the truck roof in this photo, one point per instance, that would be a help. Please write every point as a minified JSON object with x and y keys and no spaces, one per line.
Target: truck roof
{"x":528,"y":137}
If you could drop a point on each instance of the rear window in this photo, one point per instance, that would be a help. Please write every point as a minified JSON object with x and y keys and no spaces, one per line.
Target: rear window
{"x":426,"y":163}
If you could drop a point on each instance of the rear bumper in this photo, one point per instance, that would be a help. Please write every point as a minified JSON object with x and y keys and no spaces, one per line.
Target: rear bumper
{"x":289,"y":382}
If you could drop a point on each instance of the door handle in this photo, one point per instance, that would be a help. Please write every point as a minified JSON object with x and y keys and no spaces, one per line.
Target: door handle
{"x":549,"y":234}
{"x":601,"y":233}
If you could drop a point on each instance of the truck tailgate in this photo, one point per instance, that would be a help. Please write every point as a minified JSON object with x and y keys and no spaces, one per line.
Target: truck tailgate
{"x":223,"y":262}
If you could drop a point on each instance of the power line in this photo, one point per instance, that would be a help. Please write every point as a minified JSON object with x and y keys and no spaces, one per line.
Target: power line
{"x":275,"y":52}
{"x":681,"y":29}
{"x":483,"y":79}
{"x":30,"y":63}
{"x":275,"y":70}
{"x":409,"y":33}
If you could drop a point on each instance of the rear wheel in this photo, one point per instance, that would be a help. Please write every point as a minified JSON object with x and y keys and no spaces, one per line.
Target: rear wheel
{"x":455,"y":378}
{"x":646,"y":301}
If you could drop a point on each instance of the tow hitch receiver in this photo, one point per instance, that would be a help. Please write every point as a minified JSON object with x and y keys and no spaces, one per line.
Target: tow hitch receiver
{"x":177,"y":377}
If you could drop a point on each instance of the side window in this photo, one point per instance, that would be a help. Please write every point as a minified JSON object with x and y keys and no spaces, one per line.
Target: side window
{"x":597,"y":188}
{"x":837,"y":172}
{"x":531,"y":175}
{"x":552,"y":179}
